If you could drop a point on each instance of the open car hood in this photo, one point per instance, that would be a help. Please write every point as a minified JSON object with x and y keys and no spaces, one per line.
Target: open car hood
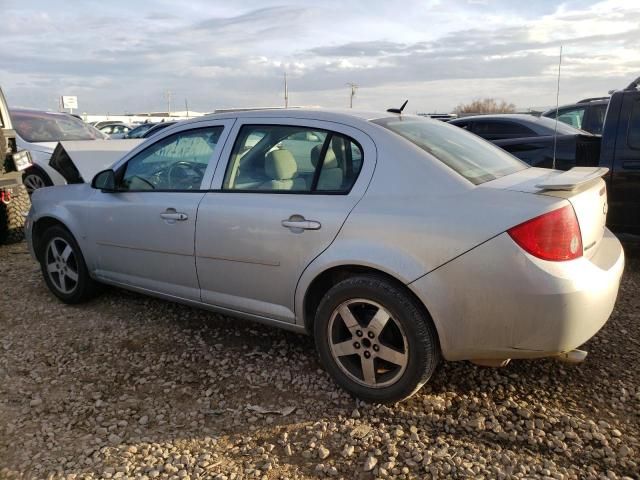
{"x":79,"y":161}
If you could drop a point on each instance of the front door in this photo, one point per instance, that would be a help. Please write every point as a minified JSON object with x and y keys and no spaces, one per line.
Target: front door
{"x":285,"y":193}
{"x":143,"y":233}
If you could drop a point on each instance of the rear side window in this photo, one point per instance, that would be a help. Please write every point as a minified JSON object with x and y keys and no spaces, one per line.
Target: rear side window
{"x":292,"y":159}
{"x":496,"y":130}
{"x":633,"y":134}
{"x":469,"y":155}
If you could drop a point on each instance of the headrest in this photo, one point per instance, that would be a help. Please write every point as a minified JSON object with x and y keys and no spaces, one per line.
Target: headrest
{"x":339,"y":147}
{"x":280,"y":165}
{"x":330,"y":160}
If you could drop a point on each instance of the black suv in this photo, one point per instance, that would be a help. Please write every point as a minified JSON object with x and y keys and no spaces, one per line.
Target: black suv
{"x":587,"y":114}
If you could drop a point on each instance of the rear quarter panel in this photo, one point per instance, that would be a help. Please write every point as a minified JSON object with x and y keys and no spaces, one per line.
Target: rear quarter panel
{"x":417,"y":215}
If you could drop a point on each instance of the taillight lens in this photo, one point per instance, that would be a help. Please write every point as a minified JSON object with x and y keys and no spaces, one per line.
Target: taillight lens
{"x":553,"y":236}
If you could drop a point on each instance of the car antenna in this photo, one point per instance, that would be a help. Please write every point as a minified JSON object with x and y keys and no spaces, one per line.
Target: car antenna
{"x":555,"y":130}
{"x":398,"y":110}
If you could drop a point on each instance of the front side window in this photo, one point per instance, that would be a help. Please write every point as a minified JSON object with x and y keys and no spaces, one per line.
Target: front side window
{"x":177,"y":162}
{"x":469,"y":155}
{"x":285,"y":158}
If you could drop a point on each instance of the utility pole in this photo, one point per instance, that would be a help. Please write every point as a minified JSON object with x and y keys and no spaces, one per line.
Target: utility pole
{"x":168,"y":96}
{"x":286,"y":92}
{"x":186,"y":106}
{"x":354,"y":87}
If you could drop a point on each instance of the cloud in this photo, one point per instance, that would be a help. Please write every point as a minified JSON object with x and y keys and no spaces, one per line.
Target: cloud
{"x":234,"y":54}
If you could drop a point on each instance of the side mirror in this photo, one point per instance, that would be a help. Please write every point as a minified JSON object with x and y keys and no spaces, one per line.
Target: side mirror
{"x":105,"y":181}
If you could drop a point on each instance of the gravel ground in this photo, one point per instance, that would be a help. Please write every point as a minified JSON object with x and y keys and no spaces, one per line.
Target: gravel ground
{"x":132,"y":387}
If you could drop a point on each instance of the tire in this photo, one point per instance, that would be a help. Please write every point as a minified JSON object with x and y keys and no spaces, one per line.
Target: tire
{"x":12,"y":216}
{"x":71,"y":281}
{"x":34,"y":178}
{"x":408,"y":337}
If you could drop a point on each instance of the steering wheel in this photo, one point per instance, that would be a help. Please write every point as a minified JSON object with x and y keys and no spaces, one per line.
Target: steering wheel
{"x":185,"y":168}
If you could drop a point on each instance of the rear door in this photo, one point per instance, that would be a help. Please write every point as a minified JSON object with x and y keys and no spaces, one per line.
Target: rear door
{"x":277,"y":202}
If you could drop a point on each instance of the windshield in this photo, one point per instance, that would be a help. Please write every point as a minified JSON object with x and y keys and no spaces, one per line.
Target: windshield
{"x":36,"y":127}
{"x":469,"y":155}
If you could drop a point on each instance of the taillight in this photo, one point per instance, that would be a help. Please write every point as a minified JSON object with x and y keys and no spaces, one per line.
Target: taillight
{"x":553,"y":236}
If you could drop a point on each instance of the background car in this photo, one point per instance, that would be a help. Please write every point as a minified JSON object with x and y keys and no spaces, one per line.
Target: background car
{"x":115,"y":130}
{"x":39,"y":132}
{"x":587,"y":114}
{"x":156,"y":128}
{"x":139,"y":130}
{"x":535,"y":140}
{"x":395,"y":240}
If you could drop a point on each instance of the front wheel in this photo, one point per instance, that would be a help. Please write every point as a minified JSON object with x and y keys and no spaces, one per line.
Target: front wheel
{"x":375,"y":339}
{"x":33,"y":179}
{"x":63,"y":267}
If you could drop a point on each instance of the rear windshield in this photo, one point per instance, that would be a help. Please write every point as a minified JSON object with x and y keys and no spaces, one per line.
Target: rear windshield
{"x":52,"y":127}
{"x":469,"y":155}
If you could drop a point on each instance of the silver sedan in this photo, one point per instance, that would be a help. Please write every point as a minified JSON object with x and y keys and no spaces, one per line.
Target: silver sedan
{"x":394,"y":240}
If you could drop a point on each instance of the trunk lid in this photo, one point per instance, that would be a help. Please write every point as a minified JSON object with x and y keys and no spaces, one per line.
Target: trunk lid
{"x":583,"y":187}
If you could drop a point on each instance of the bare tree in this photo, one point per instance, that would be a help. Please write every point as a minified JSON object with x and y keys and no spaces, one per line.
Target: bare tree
{"x":486,"y":105}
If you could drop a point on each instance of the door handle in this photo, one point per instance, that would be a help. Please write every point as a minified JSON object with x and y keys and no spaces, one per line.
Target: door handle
{"x":171,"y":214}
{"x":299,"y":223}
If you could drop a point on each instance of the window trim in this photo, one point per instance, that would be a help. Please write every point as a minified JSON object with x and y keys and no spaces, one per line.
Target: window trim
{"x":312,"y":191}
{"x":121,"y":169}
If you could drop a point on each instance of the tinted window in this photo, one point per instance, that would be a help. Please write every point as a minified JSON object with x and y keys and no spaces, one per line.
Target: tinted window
{"x":598,"y":113}
{"x":475,"y":159}
{"x":633,"y":135}
{"x":51,"y":127}
{"x":289,"y":158}
{"x":177,"y":162}
{"x":499,"y":128}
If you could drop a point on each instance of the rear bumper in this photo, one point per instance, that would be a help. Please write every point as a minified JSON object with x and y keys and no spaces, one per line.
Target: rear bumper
{"x":497,"y":301}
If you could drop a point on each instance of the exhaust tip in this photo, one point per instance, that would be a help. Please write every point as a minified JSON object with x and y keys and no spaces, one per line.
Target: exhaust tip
{"x":574,"y":356}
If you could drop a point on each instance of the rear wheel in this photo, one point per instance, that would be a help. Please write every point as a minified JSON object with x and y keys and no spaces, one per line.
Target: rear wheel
{"x":63,"y":267}
{"x":375,"y":340}
{"x":12,"y":216}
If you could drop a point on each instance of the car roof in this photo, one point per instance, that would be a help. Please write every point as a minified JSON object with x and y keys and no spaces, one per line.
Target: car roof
{"x":331,"y":115}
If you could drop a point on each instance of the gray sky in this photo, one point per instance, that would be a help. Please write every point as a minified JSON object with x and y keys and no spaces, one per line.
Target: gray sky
{"x":122,"y":55}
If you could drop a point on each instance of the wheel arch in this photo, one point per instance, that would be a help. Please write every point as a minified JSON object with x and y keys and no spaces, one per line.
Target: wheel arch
{"x":329,"y":277}
{"x":40,"y":226}
{"x":40,"y":171}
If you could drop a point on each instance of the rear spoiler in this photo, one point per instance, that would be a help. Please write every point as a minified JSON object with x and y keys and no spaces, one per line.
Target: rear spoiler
{"x":573,"y":179}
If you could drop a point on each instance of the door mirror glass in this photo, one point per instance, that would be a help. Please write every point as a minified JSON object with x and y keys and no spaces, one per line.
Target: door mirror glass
{"x":105,"y":181}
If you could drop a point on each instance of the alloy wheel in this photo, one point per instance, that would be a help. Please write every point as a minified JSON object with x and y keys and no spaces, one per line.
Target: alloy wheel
{"x":62,"y":266}
{"x":367,"y":343}
{"x":33,"y":182}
